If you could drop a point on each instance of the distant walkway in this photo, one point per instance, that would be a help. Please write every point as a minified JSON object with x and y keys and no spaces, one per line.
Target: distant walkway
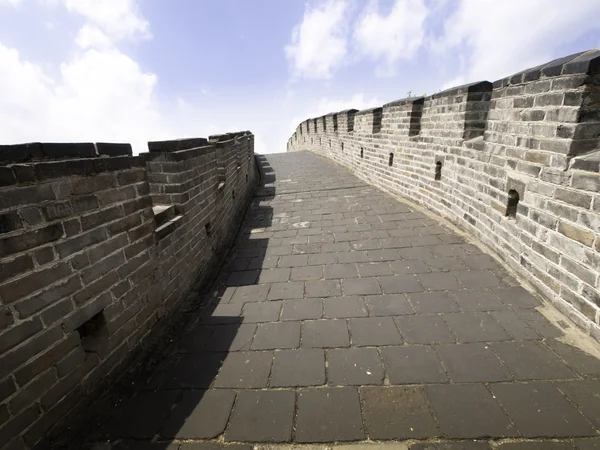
{"x":344,"y":315}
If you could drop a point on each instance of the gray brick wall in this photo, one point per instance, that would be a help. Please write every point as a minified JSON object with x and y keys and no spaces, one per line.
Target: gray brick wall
{"x":85,"y":273}
{"x":535,"y":133}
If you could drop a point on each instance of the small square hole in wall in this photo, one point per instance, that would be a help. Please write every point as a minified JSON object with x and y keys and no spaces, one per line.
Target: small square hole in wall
{"x":391,"y":160}
{"x":512,"y":204}
{"x":93,"y":333}
{"x":342,"y":146}
{"x":208,"y":229}
{"x":362,"y":152}
{"x":246,"y":178}
{"x":438,"y":171}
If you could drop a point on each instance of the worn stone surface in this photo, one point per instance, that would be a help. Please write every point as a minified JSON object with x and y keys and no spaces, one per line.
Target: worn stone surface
{"x":447,"y":364}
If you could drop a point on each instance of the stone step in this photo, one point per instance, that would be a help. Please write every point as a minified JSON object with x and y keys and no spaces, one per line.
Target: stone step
{"x":163,"y":213}
{"x":168,"y":227}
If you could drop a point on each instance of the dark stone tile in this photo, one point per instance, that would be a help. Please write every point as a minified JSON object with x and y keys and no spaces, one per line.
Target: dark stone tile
{"x":586,"y":395}
{"x":438,"y":281}
{"x":328,"y":415}
{"x":277,"y":335}
{"x":389,"y":305}
{"x":284,"y":291}
{"x":424,"y":329}
{"x":245,"y":370}
{"x":274,"y":275}
{"x":352,"y":257}
{"x":293,"y":261}
{"x":199,"y":415}
{"x":540,"y":410}
{"x":320,"y":259}
{"x":141,"y":416}
{"x":480,"y":262}
{"x":468,"y":411}
{"x":477,"y":279}
{"x":342,"y":307}
{"x":383,"y":255}
{"x":409,"y":266}
{"x":478,"y":300}
{"x":374,"y":269}
{"x":587,"y":444}
{"x":302,"y":367}
{"x":432,"y":302}
{"x":444,"y":263}
{"x":400,"y":284}
{"x":243,"y":278}
{"x":338,"y":271}
{"x":326,"y":288}
{"x":397,"y":413}
{"x":467,"y":363}
{"x":361,"y":286}
{"x":354,"y":366}
{"x":245,"y":294}
{"x":195,"y":371}
{"x":475,"y":327}
{"x":413,"y":364}
{"x":537,"y":445}
{"x":302,"y":309}
{"x":517,"y":328}
{"x":307,"y":273}
{"x":218,"y":338}
{"x":372,"y":331}
{"x":577,"y":359}
{"x":452,"y":445}
{"x":222,"y":314}
{"x":262,"y":416}
{"x":531,"y":361}
{"x":415,"y":253}
{"x":540,"y":324}
{"x":325,"y":334}
{"x":516,"y":297}
{"x":261,"y":312}
{"x":211,"y":446}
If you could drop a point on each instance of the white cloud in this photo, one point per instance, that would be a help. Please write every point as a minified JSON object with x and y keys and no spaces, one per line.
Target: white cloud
{"x":319,"y":44}
{"x":119,"y":19}
{"x":90,"y":36}
{"x":519,"y":34}
{"x":10,"y":2}
{"x":393,"y":37}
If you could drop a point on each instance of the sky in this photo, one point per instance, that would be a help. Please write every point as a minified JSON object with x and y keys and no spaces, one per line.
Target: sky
{"x":136,"y":71}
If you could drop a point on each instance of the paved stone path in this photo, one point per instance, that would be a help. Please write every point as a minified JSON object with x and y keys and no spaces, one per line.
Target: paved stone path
{"x":345,"y":315}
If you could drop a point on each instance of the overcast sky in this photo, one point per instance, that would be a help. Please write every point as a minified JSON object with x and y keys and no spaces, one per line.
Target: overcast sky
{"x":121,"y":70}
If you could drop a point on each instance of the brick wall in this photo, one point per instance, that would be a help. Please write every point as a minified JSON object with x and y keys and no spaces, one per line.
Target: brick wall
{"x":96,"y":248}
{"x":470,"y":152}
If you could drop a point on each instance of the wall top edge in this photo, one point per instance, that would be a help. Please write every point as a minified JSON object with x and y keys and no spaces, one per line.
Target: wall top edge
{"x":375,"y":110}
{"x":587,"y":63}
{"x":36,"y":151}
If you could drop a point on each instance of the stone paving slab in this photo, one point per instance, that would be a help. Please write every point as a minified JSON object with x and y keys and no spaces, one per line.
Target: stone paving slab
{"x":345,"y":315}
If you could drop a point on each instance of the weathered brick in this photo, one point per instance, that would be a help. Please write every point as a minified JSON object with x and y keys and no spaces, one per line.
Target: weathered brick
{"x":131,"y":177}
{"x":57,"y":311}
{"x":101,"y":217}
{"x":6,"y":318}
{"x":70,"y":362}
{"x":32,"y":216}
{"x":586,"y":181}
{"x":579,"y":271}
{"x":106,"y":248}
{"x":95,"y":288}
{"x":7,"y":176}
{"x":21,"y":287}
{"x":7,"y":388}
{"x":31,"y":239}
{"x":10,"y":221}
{"x":31,"y":393}
{"x":102,"y":267}
{"x":72,"y":227}
{"x":26,"y":196}
{"x":44,"y":255}
{"x":124,"y":224}
{"x":86,"y":312}
{"x":46,"y":359}
{"x":78,"y":243}
{"x":573,"y":197}
{"x":36,"y":303}
{"x":72,"y":207}
{"x":134,"y":249}
{"x":142,"y":231}
{"x":17,"y":424}
{"x":19,"y":333}
{"x":15,"y":266}
{"x":586,"y":237}
{"x":117,"y":195}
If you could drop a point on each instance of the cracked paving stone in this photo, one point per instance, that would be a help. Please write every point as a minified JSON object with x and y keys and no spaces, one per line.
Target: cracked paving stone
{"x":274,"y":275}
{"x":302,"y":367}
{"x":245,"y":370}
{"x":452,"y":445}
{"x":516,"y":297}
{"x":307,"y":273}
{"x":475,"y":327}
{"x":245,"y":294}
{"x":432,"y":302}
{"x":389,"y":305}
{"x":325,"y":334}
{"x":397,"y":413}
{"x":468,"y":411}
{"x":539,"y":409}
{"x":424,"y":329}
{"x":586,"y":395}
{"x":415,"y":364}
{"x":372,"y":331}
{"x":199,"y":415}
{"x":262,"y":416}
{"x":361,"y":286}
{"x":285,"y":291}
{"x":354,"y":366}
{"x":326,"y":288}
{"x":342,"y":307}
{"x":517,"y":328}
{"x":328,"y":415}
{"x":466,"y":363}
{"x":293,"y":261}
{"x":582,"y":362}
{"x":195,"y":371}
{"x":277,"y":335}
{"x":302,"y":309}
{"x":261,"y":312}
{"x":531,"y":361}
{"x":141,"y":416}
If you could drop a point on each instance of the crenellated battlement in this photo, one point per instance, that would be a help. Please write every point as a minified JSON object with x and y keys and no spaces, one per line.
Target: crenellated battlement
{"x":514,"y":163}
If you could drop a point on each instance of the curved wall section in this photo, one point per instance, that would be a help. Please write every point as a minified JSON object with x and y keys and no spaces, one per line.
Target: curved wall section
{"x":514,"y":163}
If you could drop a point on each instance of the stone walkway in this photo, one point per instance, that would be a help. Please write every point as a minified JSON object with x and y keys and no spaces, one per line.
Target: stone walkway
{"x":345,"y":315}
